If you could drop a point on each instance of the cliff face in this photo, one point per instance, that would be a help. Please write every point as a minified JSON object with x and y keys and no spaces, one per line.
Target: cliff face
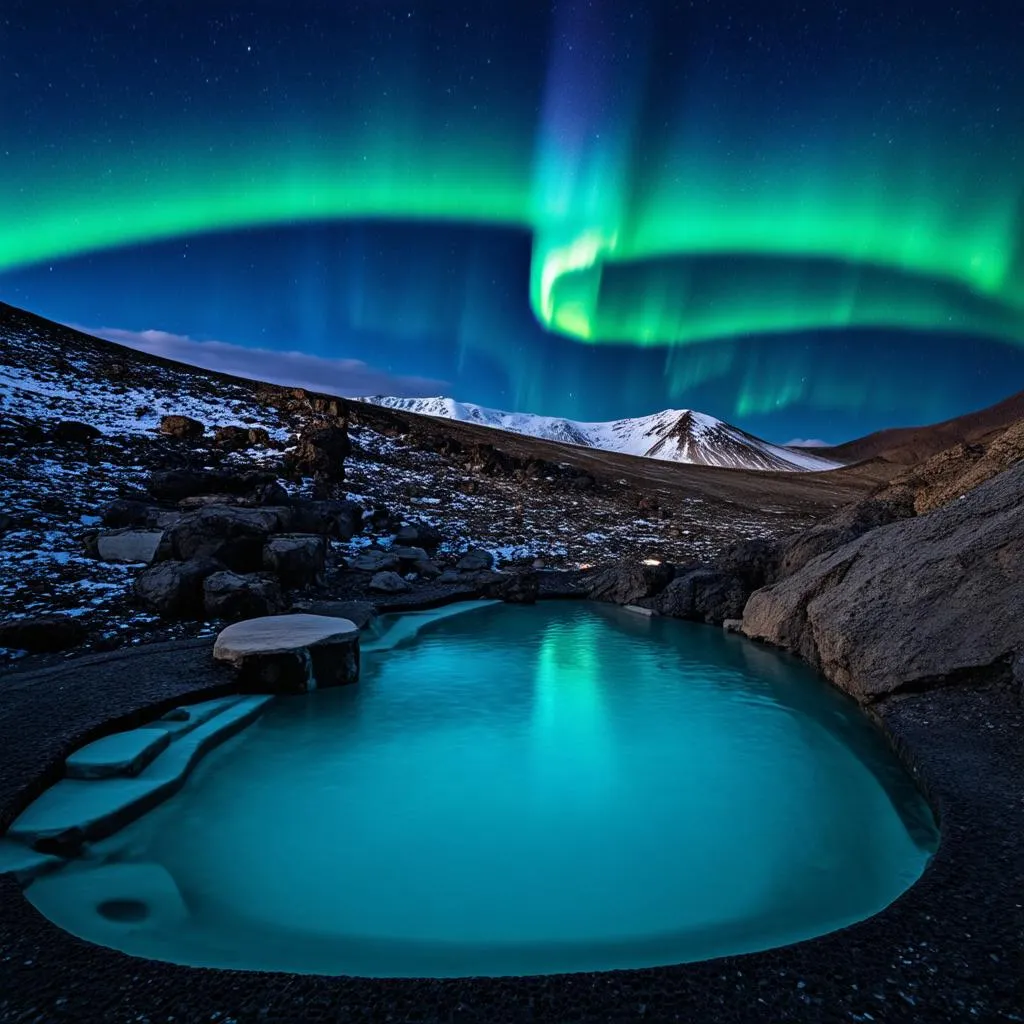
{"x":918,"y":603}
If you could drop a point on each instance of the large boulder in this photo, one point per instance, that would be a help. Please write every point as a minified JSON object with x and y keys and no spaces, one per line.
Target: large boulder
{"x":849,"y":523}
{"x":340,"y":519}
{"x":233,"y":536}
{"x":124,"y":512}
{"x":231,"y":596}
{"x":422,"y":534}
{"x":703,"y":595}
{"x":174,"y":590}
{"x":474,"y":560}
{"x":182,"y":426}
{"x":389,"y":583}
{"x":42,"y":634}
{"x":73,"y":432}
{"x":296,"y":559}
{"x":320,"y":452}
{"x":290,"y":653}
{"x":629,"y":581}
{"x":911,"y":604}
{"x":373,"y":560}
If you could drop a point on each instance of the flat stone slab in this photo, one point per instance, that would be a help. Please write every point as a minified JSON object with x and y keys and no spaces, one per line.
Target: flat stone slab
{"x":291,"y":653}
{"x":131,"y":546}
{"x":122,"y":753}
{"x":97,"y":808}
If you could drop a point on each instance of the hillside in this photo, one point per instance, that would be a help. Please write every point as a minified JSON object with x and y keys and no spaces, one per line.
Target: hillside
{"x":674,"y":435}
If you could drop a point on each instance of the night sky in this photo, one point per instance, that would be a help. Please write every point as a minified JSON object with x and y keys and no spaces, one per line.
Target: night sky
{"x":805,"y":218}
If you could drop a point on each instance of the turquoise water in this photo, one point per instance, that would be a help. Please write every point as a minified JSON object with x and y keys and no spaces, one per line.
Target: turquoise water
{"x":518,"y":790}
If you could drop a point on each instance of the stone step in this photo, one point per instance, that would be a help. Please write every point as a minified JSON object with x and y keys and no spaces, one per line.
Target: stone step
{"x":93,"y":809}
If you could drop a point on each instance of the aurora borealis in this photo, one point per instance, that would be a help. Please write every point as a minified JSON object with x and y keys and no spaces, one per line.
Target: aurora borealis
{"x":805,"y":221}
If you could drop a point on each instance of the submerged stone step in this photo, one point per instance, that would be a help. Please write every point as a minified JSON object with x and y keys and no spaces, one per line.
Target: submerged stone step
{"x":184,"y":719}
{"x":86,"y":810}
{"x":122,"y":753}
{"x":25,"y":863}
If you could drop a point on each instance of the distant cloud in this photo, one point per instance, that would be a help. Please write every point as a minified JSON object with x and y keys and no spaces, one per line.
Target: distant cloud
{"x":807,"y":442}
{"x":346,"y":377}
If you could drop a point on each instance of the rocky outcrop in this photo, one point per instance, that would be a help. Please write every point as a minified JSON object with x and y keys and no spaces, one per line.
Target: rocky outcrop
{"x":702,"y":595}
{"x":629,"y":581}
{"x":233,"y":536}
{"x":374,"y":560}
{"x":847,"y":524}
{"x":174,"y":590}
{"x":231,"y":596}
{"x":182,"y":426}
{"x":296,"y":559}
{"x":951,"y":473}
{"x":912,"y":604}
{"x":320,"y":452}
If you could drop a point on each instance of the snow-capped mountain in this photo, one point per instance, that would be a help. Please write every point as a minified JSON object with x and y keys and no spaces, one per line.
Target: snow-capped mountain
{"x":676,"y":435}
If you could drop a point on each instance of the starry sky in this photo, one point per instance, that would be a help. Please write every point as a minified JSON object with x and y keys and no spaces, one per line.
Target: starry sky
{"x":805,"y":218}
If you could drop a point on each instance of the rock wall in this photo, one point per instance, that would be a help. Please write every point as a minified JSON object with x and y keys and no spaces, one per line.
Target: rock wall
{"x":913,"y":604}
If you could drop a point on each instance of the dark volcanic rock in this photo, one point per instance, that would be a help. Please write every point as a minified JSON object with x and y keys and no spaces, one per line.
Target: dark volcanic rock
{"x":373,"y":560}
{"x":756,"y":561}
{"x":847,"y":524}
{"x":913,"y":604}
{"x":515,"y":588}
{"x":629,"y":581}
{"x":174,"y":590}
{"x":181,"y":426}
{"x":237,"y":439}
{"x":320,"y":452}
{"x":175,"y":484}
{"x":296,"y":559}
{"x":233,"y":536}
{"x":73,"y":432}
{"x":475,"y":560}
{"x":228,"y":595}
{"x":340,"y":519}
{"x":422,"y":534}
{"x":389,"y":583}
{"x":427,"y":569}
{"x":704,"y":595}
{"x":124,"y":512}
{"x":43,"y":634}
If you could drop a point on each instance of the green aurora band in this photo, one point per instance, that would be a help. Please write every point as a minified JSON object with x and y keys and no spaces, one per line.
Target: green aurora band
{"x":687,"y":233}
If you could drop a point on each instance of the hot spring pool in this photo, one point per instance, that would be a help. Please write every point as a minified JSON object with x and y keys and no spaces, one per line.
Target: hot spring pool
{"x":518,"y":790}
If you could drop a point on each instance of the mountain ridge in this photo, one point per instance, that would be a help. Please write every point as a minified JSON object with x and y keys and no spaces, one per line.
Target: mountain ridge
{"x":672,"y":435}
